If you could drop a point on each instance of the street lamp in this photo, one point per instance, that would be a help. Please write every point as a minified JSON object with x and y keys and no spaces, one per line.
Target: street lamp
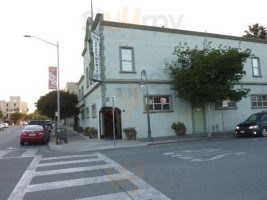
{"x":58,"y":93}
{"x":142,"y":84}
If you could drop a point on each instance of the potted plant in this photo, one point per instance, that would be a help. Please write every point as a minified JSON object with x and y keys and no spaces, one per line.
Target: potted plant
{"x":179,"y":128}
{"x":91,"y":132}
{"x":130,"y":133}
{"x":86,"y":131}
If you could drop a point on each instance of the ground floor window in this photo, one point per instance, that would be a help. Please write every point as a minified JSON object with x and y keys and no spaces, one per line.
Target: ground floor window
{"x":93,"y":110}
{"x":258,"y":101}
{"x":87,"y":112}
{"x":225,"y":104}
{"x":159,"y":103}
{"x":82,"y":113}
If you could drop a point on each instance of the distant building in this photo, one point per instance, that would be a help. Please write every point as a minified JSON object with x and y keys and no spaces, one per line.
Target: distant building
{"x":71,"y":87}
{"x":15,"y":104}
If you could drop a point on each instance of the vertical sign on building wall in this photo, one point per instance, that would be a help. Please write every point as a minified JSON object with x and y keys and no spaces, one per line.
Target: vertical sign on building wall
{"x":52,"y":79}
{"x":94,"y":45}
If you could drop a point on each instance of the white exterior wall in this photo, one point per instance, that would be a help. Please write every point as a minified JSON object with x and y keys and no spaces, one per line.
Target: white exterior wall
{"x":130,"y":100}
{"x":152,"y":50}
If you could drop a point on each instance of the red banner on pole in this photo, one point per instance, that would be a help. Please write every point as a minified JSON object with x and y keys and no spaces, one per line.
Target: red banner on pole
{"x":52,"y":82}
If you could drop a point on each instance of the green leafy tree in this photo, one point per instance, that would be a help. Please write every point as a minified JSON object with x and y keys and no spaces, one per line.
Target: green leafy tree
{"x":17,"y":117}
{"x":47,"y":105}
{"x":1,"y":114}
{"x":208,"y":75}
{"x":256,"y":31}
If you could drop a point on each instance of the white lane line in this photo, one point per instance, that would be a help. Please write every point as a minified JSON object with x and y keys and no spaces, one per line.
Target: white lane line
{"x":29,"y":153}
{"x":186,"y":156}
{"x":149,"y":190}
{"x":74,"y":182}
{"x":3,"y":153}
{"x":64,"y":157}
{"x":19,"y":191}
{"x":71,"y":170}
{"x":68,"y":162}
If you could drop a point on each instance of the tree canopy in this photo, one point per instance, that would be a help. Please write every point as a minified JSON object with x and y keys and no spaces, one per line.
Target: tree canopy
{"x":17,"y":117}
{"x":256,"y":31}
{"x":208,"y":74}
{"x":1,"y":114}
{"x":47,"y":105}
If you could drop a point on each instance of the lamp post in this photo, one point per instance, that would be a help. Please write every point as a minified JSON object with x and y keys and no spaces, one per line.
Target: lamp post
{"x":58,"y":93}
{"x":144,"y":83}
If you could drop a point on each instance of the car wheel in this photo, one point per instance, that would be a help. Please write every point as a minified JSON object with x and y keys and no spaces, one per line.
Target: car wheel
{"x":21,"y":143}
{"x":263,"y":131}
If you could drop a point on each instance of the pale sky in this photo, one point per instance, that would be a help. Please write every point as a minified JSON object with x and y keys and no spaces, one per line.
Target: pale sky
{"x":24,"y":61}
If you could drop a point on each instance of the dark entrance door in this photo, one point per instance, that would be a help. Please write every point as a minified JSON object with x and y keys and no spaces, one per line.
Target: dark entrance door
{"x":106,"y":123}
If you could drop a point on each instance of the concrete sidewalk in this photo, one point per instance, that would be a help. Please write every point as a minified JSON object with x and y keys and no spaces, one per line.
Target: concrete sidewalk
{"x":77,"y":142}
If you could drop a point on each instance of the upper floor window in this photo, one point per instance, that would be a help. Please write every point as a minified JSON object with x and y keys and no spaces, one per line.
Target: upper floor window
{"x":82,"y":97}
{"x":256,"y":66}
{"x":87,"y":76}
{"x":259,"y":101}
{"x":127,"y":59}
{"x":159,"y":103}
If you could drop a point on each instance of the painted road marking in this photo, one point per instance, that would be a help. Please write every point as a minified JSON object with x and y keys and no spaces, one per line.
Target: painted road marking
{"x":3,"y":153}
{"x":202,"y":154}
{"x":22,"y":153}
{"x":142,"y":191}
{"x":29,"y":153}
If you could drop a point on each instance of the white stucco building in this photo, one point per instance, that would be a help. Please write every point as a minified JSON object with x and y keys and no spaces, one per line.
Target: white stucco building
{"x":127,"y":49}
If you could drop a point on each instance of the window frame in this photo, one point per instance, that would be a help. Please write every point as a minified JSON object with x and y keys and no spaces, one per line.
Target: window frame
{"x":152,"y":99}
{"x":261,"y":101}
{"x":87,"y":76}
{"x":93,"y":110}
{"x":218,"y":105}
{"x":258,"y":68}
{"x":87,"y":112}
{"x":82,"y":113}
{"x":122,"y":70}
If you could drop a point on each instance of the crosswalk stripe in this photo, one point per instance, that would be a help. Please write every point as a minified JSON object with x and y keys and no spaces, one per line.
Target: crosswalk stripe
{"x":71,"y":170}
{"x":74,"y":182}
{"x":64,"y":157}
{"x":137,"y":181}
{"x":68,"y":162}
{"x":19,"y":191}
{"x":3,"y":152}
{"x":29,"y":153}
{"x":143,"y":190}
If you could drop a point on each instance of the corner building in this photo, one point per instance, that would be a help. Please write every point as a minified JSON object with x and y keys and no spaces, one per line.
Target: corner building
{"x":118,"y":52}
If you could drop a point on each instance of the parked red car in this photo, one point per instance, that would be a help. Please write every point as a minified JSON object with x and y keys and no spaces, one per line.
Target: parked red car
{"x":34,"y":133}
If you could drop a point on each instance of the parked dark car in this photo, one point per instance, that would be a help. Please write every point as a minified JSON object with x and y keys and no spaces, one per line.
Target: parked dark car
{"x":256,"y":124}
{"x":34,"y":133}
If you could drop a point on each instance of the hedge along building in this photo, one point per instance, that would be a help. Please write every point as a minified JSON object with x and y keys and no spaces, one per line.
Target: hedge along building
{"x":115,"y":55}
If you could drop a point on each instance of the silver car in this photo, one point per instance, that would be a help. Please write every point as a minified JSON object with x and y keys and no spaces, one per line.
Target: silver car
{"x":5,"y":125}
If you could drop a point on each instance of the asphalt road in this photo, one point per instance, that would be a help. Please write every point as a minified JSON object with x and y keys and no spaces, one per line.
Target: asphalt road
{"x":232,"y":168}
